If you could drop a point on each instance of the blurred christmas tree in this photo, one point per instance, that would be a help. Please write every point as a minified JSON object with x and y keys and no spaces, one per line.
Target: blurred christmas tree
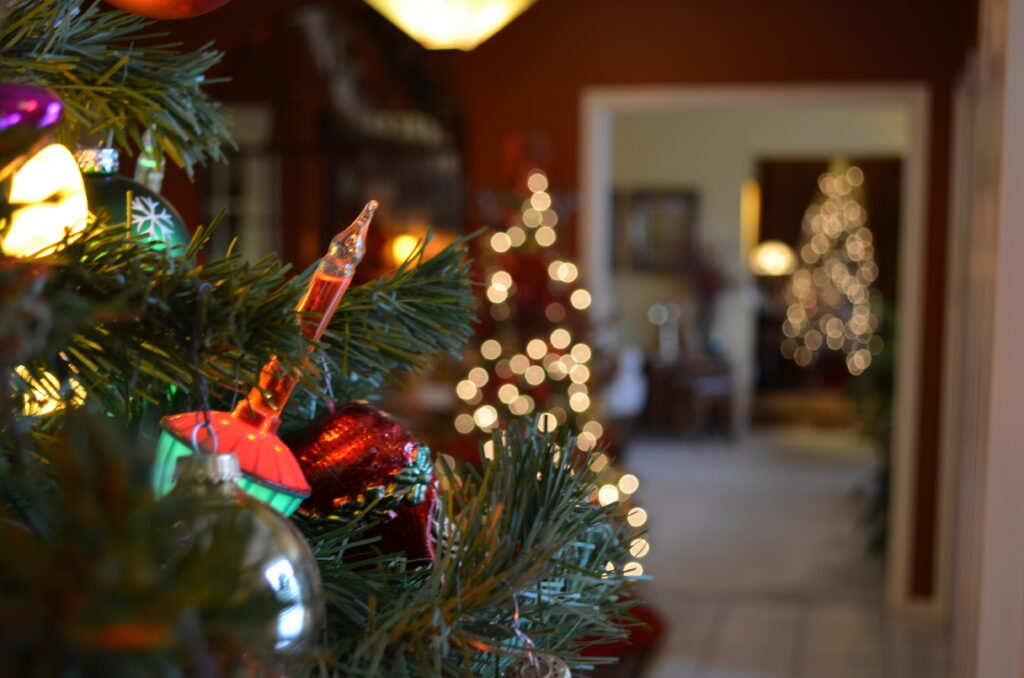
{"x":831,"y":303}
{"x":534,"y":358}
{"x":104,"y":335}
{"x":534,"y":354}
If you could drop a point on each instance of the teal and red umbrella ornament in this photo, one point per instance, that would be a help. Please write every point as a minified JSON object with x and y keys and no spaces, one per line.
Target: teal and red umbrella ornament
{"x":270,"y":471}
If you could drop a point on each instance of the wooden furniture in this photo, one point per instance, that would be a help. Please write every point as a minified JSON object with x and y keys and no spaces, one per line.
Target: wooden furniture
{"x":689,"y":397}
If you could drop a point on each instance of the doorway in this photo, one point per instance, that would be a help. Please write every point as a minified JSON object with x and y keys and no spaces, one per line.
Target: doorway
{"x":627,"y":135}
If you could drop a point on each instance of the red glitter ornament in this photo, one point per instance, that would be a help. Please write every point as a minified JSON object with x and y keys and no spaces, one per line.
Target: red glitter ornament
{"x":359,"y":457}
{"x":168,"y":9}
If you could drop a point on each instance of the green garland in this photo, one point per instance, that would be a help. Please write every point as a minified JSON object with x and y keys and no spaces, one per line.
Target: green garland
{"x":85,"y":591}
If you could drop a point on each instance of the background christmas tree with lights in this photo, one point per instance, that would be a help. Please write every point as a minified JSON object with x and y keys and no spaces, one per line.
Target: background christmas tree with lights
{"x":534,"y":354}
{"x":831,"y":301}
{"x":533,"y":357}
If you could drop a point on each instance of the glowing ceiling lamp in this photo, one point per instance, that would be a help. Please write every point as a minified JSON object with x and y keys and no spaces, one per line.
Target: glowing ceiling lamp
{"x":51,"y":193}
{"x":450,"y":24}
{"x":772,"y":258}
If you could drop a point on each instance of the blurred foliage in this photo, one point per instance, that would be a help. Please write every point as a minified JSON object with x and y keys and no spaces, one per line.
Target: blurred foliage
{"x":94,"y":582}
{"x":872,"y":395}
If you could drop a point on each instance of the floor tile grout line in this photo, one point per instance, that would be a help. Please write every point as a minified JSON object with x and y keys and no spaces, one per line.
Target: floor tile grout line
{"x":888,"y":662}
{"x":712,"y":640}
{"x":798,"y":660}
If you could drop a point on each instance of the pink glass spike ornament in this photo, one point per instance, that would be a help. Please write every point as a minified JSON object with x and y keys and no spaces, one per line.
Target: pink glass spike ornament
{"x":269,"y":469}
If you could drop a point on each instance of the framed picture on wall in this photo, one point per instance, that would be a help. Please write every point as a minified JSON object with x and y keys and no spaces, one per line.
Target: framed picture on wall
{"x":654,"y":228}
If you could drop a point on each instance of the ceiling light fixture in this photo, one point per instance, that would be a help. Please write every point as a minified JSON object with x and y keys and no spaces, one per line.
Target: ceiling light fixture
{"x":450,"y":24}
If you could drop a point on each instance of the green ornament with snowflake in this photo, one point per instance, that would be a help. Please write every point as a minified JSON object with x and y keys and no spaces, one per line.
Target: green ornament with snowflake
{"x":108,"y":193}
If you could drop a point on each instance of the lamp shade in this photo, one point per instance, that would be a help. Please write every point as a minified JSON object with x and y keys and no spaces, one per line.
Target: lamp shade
{"x":772,"y":258}
{"x":450,"y":24}
{"x":50,"y":196}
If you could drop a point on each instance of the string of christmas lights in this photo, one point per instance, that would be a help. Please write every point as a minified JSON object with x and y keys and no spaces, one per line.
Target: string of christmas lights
{"x":829,"y":298}
{"x":522,"y":376}
{"x":524,"y":368}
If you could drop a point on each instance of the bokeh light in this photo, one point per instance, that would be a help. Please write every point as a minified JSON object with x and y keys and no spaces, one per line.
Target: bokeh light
{"x":500,"y":242}
{"x":536,"y":349}
{"x":639,"y":547}
{"x":545,"y":236}
{"x":464,"y":423}
{"x":608,"y":494}
{"x":478,"y":376}
{"x":629,"y":483}
{"x":561,"y":338}
{"x":633,"y":569}
{"x":490,"y":349}
{"x":485,"y":417}
{"x":636,"y":517}
{"x":580,"y":299}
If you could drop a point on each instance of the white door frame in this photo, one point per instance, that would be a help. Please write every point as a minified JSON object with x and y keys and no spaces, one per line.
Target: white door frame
{"x":989,"y":611}
{"x":597,"y":110}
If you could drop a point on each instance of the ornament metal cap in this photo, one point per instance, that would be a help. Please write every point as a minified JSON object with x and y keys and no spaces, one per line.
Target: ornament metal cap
{"x":98,"y":160}
{"x":208,"y":469}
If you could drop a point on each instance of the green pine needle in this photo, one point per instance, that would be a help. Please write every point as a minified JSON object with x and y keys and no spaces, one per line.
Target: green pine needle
{"x":522,"y":533}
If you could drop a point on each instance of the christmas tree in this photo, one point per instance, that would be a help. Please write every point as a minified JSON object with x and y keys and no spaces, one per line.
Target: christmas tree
{"x":534,"y":357}
{"x":830,"y":297}
{"x":532,"y":354}
{"x":110,"y":337}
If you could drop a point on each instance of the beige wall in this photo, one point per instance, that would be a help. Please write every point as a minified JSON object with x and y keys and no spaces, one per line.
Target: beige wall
{"x":714,"y":151}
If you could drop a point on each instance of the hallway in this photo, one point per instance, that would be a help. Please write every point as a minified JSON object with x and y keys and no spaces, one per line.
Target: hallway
{"x":758,"y":567}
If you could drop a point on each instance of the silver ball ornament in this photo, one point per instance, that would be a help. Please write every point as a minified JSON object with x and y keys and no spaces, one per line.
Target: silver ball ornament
{"x":540,"y":667}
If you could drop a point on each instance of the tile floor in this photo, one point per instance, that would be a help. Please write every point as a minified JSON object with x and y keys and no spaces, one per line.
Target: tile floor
{"x":757,"y":565}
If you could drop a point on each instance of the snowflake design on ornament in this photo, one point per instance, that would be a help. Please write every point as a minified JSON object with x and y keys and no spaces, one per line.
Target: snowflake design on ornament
{"x":150,"y":218}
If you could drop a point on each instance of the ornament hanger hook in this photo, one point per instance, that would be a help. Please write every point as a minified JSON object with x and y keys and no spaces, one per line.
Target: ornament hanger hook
{"x":203,"y":296}
{"x":522,"y":635}
{"x":210,"y":431}
{"x":328,"y":387}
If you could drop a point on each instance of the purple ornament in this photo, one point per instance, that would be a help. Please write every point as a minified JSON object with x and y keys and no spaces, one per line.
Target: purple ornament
{"x":28,"y":118}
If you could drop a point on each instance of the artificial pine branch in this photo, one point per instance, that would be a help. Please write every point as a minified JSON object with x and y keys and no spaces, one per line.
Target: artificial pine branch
{"x":116,"y":77}
{"x":400,"y":322}
{"x":126,"y":317}
{"x":525,"y":528}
